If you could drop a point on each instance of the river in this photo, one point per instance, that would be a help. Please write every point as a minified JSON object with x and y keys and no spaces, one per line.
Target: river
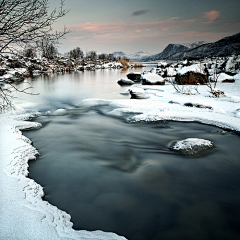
{"x":119,"y":177}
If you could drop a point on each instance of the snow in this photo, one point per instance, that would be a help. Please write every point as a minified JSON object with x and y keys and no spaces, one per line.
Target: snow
{"x":160,"y":105}
{"x":164,"y":64}
{"x":153,"y":78}
{"x":192,"y":146}
{"x":193,"y":68}
{"x":22,"y":197}
{"x":236,"y":76}
{"x":138,"y":93}
{"x":224,"y":76}
{"x":24,"y":215}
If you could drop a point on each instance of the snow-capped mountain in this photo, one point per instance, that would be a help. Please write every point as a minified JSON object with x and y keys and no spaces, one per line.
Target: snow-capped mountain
{"x":138,"y":55}
{"x":135,"y":56}
{"x":224,"y":47}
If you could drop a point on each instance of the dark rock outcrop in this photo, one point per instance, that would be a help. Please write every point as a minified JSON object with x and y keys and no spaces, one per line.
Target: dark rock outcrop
{"x":190,"y":78}
{"x":134,"y":76}
{"x":123,"y":82}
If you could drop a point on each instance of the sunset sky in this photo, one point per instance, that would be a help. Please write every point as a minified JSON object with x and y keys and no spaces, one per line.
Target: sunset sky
{"x":145,"y":25}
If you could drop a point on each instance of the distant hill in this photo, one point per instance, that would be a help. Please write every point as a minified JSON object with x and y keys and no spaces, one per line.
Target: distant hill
{"x":138,"y":55}
{"x":224,"y":47}
{"x":119,"y":54}
{"x":134,"y":56}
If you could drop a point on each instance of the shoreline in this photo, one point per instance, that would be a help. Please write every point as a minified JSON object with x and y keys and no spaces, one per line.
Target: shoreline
{"x":24,"y":214}
{"x":23,"y":196}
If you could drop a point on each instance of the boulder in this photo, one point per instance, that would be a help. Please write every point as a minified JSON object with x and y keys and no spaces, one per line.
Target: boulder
{"x":138,"y":93}
{"x":191,"y":78}
{"x":197,"y":105}
{"x":134,"y":76}
{"x":225,"y":78}
{"x":2,"y":71}
{"x":123,"y":82}
{"x":191,"y":75}
{"x":152,"y":79}
{"x":190,"y":146}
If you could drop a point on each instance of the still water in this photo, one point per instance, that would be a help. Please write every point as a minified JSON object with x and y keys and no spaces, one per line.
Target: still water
{"x":119,"y":177}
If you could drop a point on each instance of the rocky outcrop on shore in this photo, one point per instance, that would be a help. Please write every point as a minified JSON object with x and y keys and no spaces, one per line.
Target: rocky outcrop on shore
{"x":16,"y":69}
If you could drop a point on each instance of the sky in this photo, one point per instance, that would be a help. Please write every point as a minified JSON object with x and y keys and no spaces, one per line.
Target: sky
{"x":130,"y":26}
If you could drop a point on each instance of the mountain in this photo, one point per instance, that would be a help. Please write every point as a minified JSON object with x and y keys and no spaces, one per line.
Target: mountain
{"x":224,"y":47}
{"x":138,"y":55}
{"x":134,"y":56}
{"x":119,"y":54}
{"x":172,"y":49}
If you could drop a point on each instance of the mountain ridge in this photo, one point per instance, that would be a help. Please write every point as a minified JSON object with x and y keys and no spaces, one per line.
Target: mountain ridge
{"x":223,"y":47}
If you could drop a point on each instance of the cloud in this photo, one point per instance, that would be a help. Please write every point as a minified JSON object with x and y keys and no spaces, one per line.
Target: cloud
{"x":211,"y":16}
{"x":140,"y":12}
{"x":125,"y":28}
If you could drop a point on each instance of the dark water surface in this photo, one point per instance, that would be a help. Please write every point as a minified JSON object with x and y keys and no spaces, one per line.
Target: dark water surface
{"x":120,"y":177}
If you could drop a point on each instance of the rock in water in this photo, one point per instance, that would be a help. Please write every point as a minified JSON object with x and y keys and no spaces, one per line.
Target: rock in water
{"x":134,"y":76}
{"x":123,"y":82}
{"x":152,"y":79}
{"x":191,"y":146}
{"x":138,"y":93}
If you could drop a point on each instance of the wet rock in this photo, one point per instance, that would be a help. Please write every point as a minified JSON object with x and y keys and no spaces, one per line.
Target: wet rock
{"x":173,"y":102}
{"x":197,"y":105}
{"x":134,"y":76}
{"x":123,"y":82}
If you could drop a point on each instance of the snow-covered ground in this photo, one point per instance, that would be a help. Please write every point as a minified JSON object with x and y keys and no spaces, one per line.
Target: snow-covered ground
{"x":24,"y":215}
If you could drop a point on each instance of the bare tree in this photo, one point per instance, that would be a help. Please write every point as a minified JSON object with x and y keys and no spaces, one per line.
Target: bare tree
{"x":27,"y":21}
{"x":47,"y":47}
{"x":92,"y":55}
{"x":29,"y":52}
{"x":76,"y":53}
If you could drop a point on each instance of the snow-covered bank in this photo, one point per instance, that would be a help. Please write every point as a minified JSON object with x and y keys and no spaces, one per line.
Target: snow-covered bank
{"x":23,"y":213}
{"x":164,"y":103}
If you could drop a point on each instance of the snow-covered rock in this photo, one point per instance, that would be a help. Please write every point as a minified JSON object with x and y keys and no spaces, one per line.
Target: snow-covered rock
{"x":191,"y":146}
{"x":152,"y":79}
{"x":223,"y":77}
{"x":138,"y":93}
{"x":197,"y":68}
{"x":162,"y":64}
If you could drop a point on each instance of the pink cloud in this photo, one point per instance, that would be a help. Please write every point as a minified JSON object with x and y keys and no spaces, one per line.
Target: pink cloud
{"x":137,"y":27}
{"x":211,"y":15}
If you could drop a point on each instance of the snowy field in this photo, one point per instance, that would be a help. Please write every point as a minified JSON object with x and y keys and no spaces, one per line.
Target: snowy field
{"x":23,"y":213}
